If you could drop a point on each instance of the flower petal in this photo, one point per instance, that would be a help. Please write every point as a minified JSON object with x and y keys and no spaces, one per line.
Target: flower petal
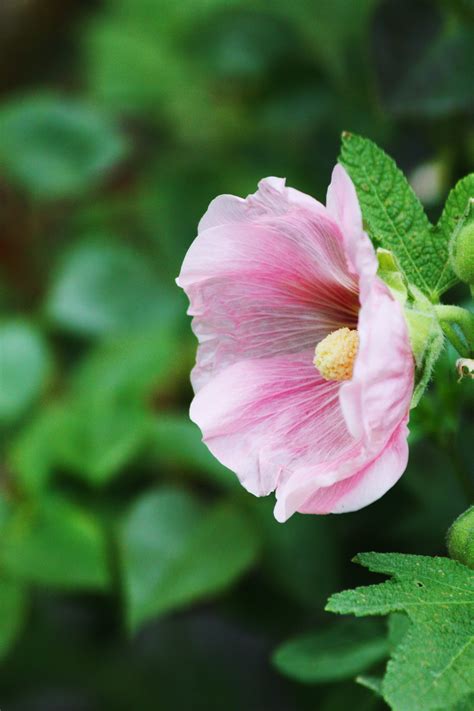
{"x":378,"y":397}
{"x":370,"y":480}
{"x":272,"y":198}
{"x":256,"y":290}
{"x":264,"y":418}
{"x":343,"y":206}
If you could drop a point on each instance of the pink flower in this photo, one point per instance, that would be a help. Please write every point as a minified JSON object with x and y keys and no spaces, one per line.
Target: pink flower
{"x":268,"y":279}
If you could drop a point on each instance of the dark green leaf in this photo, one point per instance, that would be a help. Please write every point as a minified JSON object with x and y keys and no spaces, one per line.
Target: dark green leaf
{"x":13,"y":604}
{"x":438,"y":85}
{"x":286,"y":561}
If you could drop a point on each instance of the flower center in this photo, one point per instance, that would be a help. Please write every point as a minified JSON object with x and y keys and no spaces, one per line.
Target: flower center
{"x":335,"y":355}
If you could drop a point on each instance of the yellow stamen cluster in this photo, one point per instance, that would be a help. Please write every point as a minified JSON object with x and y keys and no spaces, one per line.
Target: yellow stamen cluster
{"x":335,"y":355}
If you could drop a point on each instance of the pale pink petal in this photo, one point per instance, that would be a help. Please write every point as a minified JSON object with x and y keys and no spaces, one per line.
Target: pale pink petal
{"x":343,"y":206}
{"x":378,"y":397}
{"x":268,"y":277}
{"x":272,"y":198}
{"x":264,"y":418}
{"x":264,"y":289}
{"x":369,"y":481}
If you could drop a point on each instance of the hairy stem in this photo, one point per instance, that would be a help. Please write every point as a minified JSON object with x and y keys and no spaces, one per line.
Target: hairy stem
{"x":458,"y":326}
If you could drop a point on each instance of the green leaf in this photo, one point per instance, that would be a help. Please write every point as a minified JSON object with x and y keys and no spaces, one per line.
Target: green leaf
{"x":56,"y":147}
{"x":398,"y":625}
{"x":131,"y":367}
{"x":24,"y":368}
{"x":175,"y":551}
{"x":436,"y":87}
{"x":433,"y":665}
{"x":108,"y":416}
{"x":12,"y":612}
{"x":285,"y":554}
{"x":453,"y":211}
{"x":456,"y":204}
{"x":176,"y":442}
{"x":53,"y":542}
{"x":103,"y":289}
{"x":338,"y":652}
{"x":394,"y":216}
{"x":374,"y":683}
{"x":34,"y":452}
{"x":99,"y":439}
{"x":335,"y":32}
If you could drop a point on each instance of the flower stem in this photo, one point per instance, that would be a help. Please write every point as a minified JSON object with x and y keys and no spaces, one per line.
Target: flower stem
{"x":458,"y":326}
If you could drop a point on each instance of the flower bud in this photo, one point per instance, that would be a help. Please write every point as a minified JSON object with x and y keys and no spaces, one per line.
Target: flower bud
{"x":462,"y":247}
{"x":460,"y":538}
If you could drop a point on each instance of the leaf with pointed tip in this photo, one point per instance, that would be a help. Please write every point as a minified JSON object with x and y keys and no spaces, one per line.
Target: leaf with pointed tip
{"x":432,"y":667}
{"x":394,"y":216}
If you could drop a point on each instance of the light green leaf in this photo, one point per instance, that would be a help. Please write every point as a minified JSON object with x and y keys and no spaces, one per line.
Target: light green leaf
{"x":24,"y":368}
{"x":394,"y":216}
{"x":130,"y":367}
{"x":338,"y":652}
{"x":13,"y":604}
{"x":108,"y":416}
{"x":53,"y":542}
{"x":56,"y":147}
{"x":104,"y":288}
{"x":101,"y":437}
{"x":433,"y":665}
{"x":175,"y":551}
{"x":34,"y":452}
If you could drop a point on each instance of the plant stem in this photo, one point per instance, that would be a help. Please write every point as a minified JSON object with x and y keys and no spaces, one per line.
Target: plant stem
{"x":458,"y":326}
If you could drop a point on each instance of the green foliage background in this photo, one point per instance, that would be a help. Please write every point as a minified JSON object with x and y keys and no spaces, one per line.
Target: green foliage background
{"x":134,"y":571}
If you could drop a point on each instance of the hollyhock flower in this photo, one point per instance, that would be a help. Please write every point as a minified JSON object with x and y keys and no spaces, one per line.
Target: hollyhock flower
{"x":304,"y":372}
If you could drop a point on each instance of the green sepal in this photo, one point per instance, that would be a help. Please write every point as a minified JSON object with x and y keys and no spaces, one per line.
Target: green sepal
{"x":424,"y":330}
{"x":426,"y":338}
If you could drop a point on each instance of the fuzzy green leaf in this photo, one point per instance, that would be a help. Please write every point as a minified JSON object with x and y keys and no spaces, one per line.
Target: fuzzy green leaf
{"x":394,"y":216}
{"x":433,"y":665}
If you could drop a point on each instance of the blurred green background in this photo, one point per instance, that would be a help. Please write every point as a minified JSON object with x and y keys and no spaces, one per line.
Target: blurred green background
{"x":134,"y":571}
